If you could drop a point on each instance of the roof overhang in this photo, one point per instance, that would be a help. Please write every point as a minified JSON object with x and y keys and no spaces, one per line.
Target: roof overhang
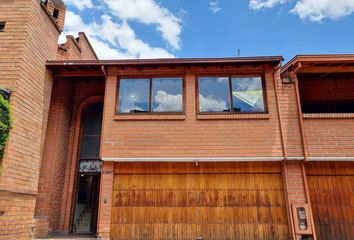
{"x":321,"y":64}
{"x":97,"y":67}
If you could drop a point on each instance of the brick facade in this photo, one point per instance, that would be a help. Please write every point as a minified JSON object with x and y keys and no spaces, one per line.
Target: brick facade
{"x":24,"y":49}
{"x":38,"y":182}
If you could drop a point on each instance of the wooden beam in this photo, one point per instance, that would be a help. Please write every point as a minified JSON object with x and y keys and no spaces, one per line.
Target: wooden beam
{"x":328,"y":69}
{"x":79,"y":73}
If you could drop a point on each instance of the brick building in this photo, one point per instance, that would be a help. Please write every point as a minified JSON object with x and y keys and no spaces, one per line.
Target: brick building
{"x":227,"y":148}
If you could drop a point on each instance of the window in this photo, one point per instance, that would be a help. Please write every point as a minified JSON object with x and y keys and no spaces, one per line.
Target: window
{"x":231,"y":94}
{"x":2,"y":26}
{"x":328,"y":106}
{"x":150,"y":95}
{"x":55,"y":13}
{"x":91,"y":132}
{"x":331,"y":93}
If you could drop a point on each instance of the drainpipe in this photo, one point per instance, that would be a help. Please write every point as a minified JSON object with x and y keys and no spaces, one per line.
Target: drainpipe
{"x":285,"y":153}
{"x":293,"y":75}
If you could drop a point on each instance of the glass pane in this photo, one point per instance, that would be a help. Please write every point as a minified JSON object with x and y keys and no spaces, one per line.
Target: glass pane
{"x":247,"y":94}
{"x":93,"y":119}
{"x":90,"y":147}
{"x":214,"y":94}
{"x":167,"y":95}
{"x":134,"y":95}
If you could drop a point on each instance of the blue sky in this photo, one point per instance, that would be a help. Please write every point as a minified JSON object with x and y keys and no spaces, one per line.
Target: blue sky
{"x":215,"y":28}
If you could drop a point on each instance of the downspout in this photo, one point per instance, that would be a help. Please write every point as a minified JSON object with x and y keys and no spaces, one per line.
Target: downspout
{"x":285,"y":153}
{"x":104,"y":70}
{"x":293,"y":75}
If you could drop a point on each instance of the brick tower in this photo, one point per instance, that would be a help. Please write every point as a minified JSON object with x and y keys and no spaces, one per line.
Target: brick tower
{"x":28,"y":38}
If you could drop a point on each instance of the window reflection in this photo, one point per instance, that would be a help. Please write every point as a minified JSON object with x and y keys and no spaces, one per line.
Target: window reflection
{"x":247,"y":94}
{"x":167,"y":95}
{"x":134,"y":95}
{"x":214,"y":94}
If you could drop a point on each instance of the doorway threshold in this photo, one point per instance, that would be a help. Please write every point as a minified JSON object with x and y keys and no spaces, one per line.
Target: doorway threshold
{"x":88,"y":236}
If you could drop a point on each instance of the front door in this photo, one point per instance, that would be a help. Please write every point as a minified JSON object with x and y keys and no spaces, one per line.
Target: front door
{"x":86,"y":206}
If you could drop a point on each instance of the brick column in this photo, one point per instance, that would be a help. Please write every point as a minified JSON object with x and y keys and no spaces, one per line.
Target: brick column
{"x":105,"y":206}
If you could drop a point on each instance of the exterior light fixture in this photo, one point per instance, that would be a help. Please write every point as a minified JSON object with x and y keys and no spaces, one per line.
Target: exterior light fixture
{"x":286,"y":80}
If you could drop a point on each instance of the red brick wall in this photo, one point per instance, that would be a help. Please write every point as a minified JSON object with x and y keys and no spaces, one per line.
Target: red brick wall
{"x":70,"y":50}
{"x":17,"y":220}
{"x":106,"y":199}
{"x":86,"y":51}
{"x":290,"y":119}
{"x":30,"y":38}
{"x":76,"y":49}
{"x":51,"y":180}
{"x":191,"y":137}
{"x":326,"y":89}
{"x":330,"y":137}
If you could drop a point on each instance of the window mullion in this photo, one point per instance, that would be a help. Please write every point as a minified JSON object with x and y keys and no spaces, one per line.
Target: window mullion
{"x":150,"y":96}
{"x":230,"y":95}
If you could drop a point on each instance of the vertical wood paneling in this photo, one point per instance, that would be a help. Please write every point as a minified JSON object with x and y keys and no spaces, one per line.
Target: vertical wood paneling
{"x":212,"y":201}
{"x":331,"y":187}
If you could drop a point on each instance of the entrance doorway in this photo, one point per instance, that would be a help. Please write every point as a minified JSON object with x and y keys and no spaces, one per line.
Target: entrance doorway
{"x":86,"y":206}
{"x":89,"y":172}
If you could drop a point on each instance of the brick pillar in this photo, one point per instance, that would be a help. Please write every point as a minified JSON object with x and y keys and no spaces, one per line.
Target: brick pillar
{"x":105,"y":206}
{"x":294,"y":177}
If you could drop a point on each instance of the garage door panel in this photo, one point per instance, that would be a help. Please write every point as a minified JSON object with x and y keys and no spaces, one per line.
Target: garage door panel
{"x":153,"y":232}
{"x":332,"y":195}
{"x":183,"y":201}
{"x":151,"y":198}
{"x":244,"y":231}
{"x":154,"y":215}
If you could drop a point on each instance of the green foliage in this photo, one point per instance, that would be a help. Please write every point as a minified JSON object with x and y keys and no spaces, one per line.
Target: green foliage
{"x":5,"y":123}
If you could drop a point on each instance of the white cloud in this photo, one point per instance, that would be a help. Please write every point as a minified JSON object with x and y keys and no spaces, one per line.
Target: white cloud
{"x":316,"y":10}
{"x":313,"y":10}
{"x":222,"y":79}
{"x":112,"y":40}
{"x":80,"y":4}
{"x":214,"y":7}
{"x":259,"y":4}
{"x":167,"y":102}
{"x":209,"y":104}
{"x":151,"y":13}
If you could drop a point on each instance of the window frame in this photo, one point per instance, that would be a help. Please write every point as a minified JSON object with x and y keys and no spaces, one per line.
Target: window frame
{"x":230,"y":76}
{"x":150,"y":112}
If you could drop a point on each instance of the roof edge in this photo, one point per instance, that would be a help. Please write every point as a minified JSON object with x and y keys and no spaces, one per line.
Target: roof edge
{"x":168,"y":61}
{"x":317,"y":58}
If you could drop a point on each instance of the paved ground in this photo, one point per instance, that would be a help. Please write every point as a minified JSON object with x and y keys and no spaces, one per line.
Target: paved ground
{"x":70,"y":237}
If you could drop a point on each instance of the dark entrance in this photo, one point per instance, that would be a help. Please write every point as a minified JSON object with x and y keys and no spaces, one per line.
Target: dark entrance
{"x":89,"y":173}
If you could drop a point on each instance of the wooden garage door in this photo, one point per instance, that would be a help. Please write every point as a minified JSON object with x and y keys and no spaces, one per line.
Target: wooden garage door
{"x":331,"y":187}
{"x":209,"y":201}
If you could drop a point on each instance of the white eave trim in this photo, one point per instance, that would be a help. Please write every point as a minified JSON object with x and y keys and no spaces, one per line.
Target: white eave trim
{"x":196,"y":159}
{"x":224,"y":159}
{"x":334,"y":159}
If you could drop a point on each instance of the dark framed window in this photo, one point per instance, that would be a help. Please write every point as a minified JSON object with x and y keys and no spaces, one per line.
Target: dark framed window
{"x":150,"y":95}
{"x":55,"y":13}
{"x":91,"y":132}
{"x":231,"y":94}
{"x":341,"y":106}
{"x":2,"y":26}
